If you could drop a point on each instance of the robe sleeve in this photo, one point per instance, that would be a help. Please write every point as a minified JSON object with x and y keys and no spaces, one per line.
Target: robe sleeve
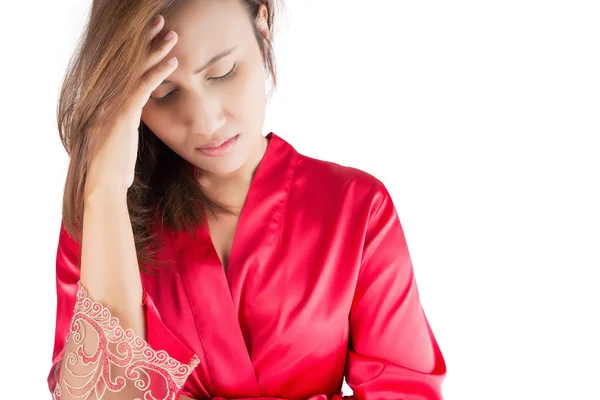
{"x":110,"y":363}
{"x":392,"y":352}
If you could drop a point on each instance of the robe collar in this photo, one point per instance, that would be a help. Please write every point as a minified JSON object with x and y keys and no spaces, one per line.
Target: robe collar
{"x":221,"y":301}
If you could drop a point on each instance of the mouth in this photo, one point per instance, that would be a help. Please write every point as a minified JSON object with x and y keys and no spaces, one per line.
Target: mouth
{"x":220,"y":149}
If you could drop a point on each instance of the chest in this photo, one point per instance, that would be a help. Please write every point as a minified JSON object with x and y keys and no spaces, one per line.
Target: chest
{"x":285,"y":297}
{"x":222,"y":232}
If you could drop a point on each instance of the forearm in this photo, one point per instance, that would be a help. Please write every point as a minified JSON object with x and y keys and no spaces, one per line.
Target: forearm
{"x":99,"y":353}
{"x":109,"y":266}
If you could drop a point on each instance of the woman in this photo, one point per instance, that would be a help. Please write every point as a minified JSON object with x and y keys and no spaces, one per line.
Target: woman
{"x":198,"y":258}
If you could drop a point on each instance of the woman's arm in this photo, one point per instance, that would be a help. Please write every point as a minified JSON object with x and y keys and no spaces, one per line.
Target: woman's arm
{"x":110,"y":275}
{"x":104,"y":312}
{"x":109,"y":266}
{"x":392,"y":353}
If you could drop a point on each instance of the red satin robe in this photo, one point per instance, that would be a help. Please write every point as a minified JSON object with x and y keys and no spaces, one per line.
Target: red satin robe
{"x":319,"y":287}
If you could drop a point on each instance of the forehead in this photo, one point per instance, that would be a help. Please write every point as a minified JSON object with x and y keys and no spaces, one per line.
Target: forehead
{"x":206,"y":26}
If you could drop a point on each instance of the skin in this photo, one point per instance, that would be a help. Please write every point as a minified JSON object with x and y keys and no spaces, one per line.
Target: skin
{"x":200,"y":109}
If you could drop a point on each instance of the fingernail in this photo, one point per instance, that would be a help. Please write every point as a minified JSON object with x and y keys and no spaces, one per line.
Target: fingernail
{"x":157,"y":20}
{"x":172,"y":61}
{"x":170,"y":35}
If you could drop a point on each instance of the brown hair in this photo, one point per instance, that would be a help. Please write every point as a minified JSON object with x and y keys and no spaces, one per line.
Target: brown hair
{"x":100,"y":74}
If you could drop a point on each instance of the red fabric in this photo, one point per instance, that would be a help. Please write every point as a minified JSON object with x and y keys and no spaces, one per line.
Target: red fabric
{"x":158,"y":372}
{"x":319,"y":286}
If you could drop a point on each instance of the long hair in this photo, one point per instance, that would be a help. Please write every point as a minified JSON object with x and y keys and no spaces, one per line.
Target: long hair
{"x":101,"y":73}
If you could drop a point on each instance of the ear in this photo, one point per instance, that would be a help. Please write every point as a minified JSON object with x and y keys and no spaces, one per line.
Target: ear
{"x":262,"y":18}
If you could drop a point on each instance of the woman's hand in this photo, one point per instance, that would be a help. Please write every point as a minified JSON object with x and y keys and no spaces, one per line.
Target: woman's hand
{"x":113,"y":166}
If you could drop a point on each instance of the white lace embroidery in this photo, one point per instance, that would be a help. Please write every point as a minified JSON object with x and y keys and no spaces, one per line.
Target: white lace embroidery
{"x":132,"y":355}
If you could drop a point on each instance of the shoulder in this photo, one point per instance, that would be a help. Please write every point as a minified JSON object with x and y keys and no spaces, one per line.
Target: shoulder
{"x":339,"y":182}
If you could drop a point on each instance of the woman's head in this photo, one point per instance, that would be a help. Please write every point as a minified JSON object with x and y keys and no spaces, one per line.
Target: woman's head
{"x":197,"y":108}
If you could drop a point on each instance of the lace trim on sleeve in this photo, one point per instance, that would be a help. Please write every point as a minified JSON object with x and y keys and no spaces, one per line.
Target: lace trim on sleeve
{"x":131,"y":357}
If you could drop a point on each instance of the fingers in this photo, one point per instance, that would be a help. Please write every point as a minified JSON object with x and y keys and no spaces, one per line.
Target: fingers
{"x":160,"y":49}
{"x":157,"y":67}
{"x":154,"y":77}
{"x":159,"y":22}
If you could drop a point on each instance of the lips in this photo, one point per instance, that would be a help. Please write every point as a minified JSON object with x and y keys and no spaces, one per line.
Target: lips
{"x":221,"y":150}
{"x":215,"y":144}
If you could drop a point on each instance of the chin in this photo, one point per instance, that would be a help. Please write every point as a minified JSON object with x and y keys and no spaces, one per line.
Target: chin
{"x":221,"y":165}
{"x":224,"y":168}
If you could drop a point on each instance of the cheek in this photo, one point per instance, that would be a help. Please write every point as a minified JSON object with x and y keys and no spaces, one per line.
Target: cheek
{"x":159,"y":123}
{"x":248,"y":93}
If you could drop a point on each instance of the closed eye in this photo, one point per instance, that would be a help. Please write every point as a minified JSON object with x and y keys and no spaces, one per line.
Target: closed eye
{"x":227,"y":76}
{"x":223,"y":78}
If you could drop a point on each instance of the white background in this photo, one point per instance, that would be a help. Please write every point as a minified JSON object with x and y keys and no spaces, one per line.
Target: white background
{"x":481,"y":118}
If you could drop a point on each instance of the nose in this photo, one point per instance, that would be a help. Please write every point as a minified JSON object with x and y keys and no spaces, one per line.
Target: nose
{"x":205,"y":115}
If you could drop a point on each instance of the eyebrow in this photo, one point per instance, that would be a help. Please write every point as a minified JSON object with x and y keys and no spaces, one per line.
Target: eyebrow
{"x":210,"y":62}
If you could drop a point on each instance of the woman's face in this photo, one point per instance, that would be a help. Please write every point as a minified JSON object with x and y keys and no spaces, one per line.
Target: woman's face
{"x":190,"y":110}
